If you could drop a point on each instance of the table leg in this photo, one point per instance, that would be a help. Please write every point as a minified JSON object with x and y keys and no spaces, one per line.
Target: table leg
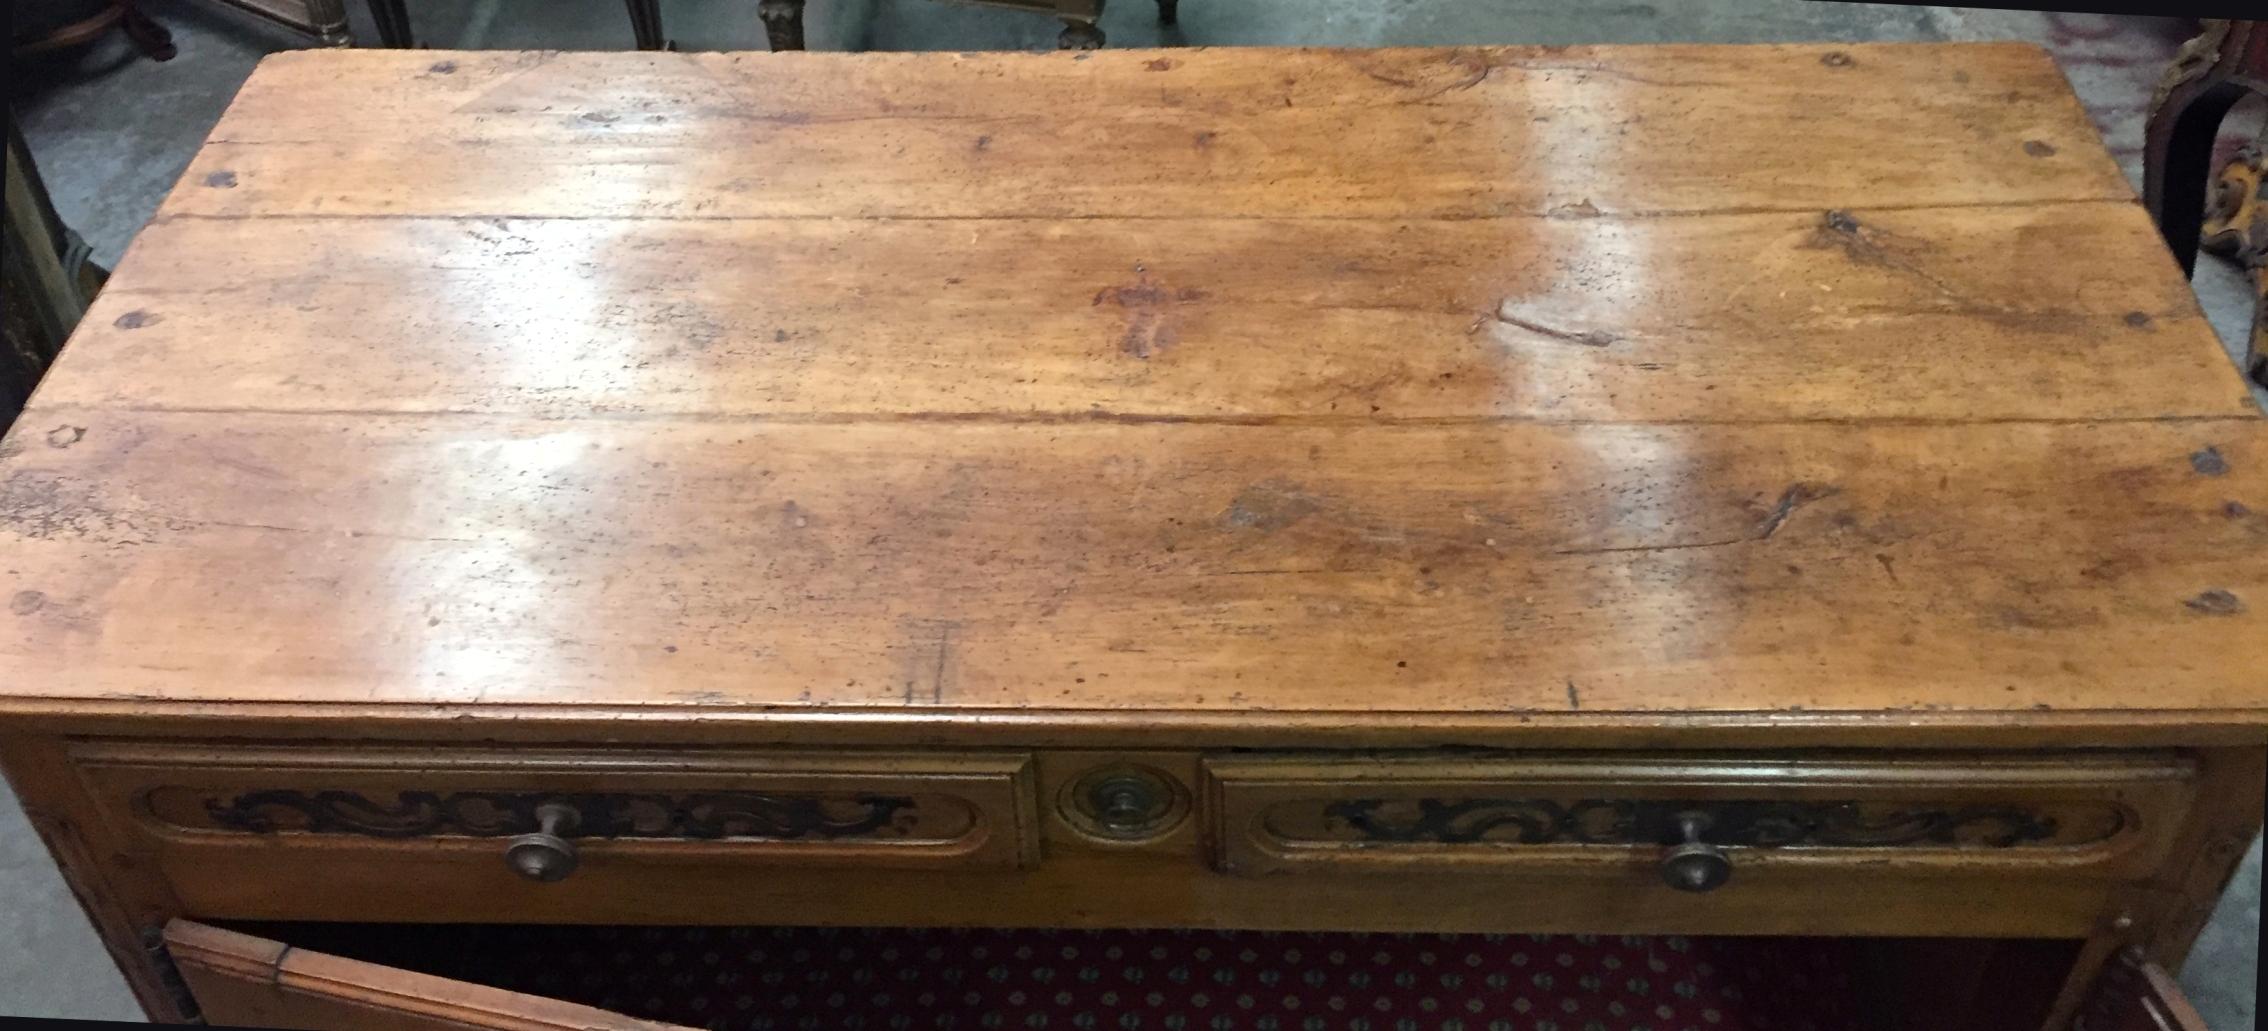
{"x":392,"y":17}
{"x":783,"y":23}
{"x":645,"y":24}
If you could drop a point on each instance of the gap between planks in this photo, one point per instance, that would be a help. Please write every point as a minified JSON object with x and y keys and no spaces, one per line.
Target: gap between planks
{"x":1105,"y":418}
{"x":1551,"y":215}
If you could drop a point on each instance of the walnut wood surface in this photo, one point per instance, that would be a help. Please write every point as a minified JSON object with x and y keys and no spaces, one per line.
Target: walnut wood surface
{"x":1749,"y":383}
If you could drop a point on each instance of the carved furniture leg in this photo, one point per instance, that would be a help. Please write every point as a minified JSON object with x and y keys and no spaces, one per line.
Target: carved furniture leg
{"x":783,"y":23}
{"x":645,"y":24}
{"x":392,"y":17}
{"x":1169,"y":12}
{"x":2206,"y":79}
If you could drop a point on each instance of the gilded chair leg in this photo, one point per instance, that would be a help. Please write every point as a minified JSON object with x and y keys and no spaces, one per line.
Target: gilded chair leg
{"x":783,"y":23}
{"x":645,"y":24}
{"x":1169,"y":12}
{"x":392,"y":17}
{"x":1080,"y":34}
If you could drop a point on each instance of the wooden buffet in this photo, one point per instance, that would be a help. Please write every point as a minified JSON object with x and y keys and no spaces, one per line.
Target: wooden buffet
{"x":1652,"y":490}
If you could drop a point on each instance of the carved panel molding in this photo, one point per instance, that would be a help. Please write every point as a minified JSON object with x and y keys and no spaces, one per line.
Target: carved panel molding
{"x":696,"y":816}
{"x":1757,"y":824}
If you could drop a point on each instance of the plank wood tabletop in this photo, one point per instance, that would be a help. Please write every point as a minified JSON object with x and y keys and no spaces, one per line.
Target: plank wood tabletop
{"x":1546,"y":386}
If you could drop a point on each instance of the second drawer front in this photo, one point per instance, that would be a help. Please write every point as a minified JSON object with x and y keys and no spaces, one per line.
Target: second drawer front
{"x":2087,"y":814}
{"x":959,"y":811}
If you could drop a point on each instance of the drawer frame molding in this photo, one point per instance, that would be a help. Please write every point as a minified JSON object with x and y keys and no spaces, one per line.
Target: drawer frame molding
{"x":2090,"y":814}
{"x":189,"y":800}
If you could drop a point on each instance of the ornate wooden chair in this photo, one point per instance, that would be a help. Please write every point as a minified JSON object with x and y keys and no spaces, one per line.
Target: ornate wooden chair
{"x":2212,"y":72}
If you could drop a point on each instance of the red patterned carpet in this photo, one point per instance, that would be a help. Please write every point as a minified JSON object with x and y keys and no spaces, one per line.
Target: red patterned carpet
{"x":731,"y":979}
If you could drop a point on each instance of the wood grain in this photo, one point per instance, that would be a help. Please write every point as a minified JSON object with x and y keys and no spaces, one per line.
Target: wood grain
{"x":1966,"y":313}
{"x":1464,"y":132}
{"x":1671,"y":400}
{"x":912,"y":566}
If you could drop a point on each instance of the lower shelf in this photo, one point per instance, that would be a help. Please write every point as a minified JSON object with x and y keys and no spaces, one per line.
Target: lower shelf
{"x":729,"y":979}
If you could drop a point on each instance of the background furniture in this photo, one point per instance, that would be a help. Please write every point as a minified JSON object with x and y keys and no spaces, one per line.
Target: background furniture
{"x":43,"y":28}
{"x":49,"y":279}
{"x":783,"y":19}
{"x":2226,"y":61}
{"x":394,"y":30}
{"x":2236,"y":228}
{"x":324,"y":21}
{"x":1332,"y":491}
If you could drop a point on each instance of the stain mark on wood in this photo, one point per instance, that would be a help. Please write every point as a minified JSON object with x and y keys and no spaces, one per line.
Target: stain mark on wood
{"x":2238,"y":512}
{"x":65,"y":436}
{"x":2039,"y":148}
{"x":1270,"y":506}
{"x":2209,"y":462}
{"x":2216,"y":602}
{"x":1150,"y":321}
{"x":137,"y":318}
{"x":24,"y":603}
{"x":222,"y":180}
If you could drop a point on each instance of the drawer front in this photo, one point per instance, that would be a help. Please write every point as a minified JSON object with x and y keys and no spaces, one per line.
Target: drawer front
{"x":600,"y":809}
{"x":2090,"y":815}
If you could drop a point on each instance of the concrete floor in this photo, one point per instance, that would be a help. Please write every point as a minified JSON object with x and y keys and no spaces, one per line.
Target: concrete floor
{"x":112,"y":132}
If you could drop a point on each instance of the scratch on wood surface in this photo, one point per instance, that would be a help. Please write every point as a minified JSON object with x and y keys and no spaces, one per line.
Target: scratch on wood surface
{"x":1791,"y":500}
{"x":937,"y":674}
{"x":1591,"y":338}
{"x":1796,"y":496}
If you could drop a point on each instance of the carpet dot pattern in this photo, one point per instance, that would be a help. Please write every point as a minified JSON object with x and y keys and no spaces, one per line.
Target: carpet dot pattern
{"x":756,"y":979}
